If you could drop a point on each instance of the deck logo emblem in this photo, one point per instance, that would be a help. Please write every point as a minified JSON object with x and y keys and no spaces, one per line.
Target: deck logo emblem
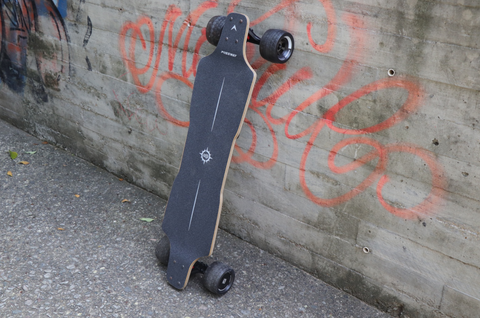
{"x":206,"y":156}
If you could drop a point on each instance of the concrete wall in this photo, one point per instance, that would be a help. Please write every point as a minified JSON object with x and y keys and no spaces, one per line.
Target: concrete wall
{"x":359,"y":160}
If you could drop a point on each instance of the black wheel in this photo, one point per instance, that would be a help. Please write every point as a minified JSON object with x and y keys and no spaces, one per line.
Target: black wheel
{"x":162,"y":250}
{"x":276,"y":46}
{"x":218,"y":278}
{"x":214,"y":28}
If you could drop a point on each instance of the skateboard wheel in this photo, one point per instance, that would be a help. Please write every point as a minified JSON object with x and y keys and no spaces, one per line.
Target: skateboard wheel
{"x":276,"y":46}
{"x":218,"y":278}
{"x":214,"y":29}
{"x":162,"y":250}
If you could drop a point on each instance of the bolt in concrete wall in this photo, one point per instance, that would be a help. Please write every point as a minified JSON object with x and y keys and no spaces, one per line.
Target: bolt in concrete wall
{"x":358,"y":160}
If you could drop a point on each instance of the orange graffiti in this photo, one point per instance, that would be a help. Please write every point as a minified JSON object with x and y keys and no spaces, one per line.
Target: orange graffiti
{"x":146,"y":76}
{"x":332,"y":29}
{"x":434,"y":198}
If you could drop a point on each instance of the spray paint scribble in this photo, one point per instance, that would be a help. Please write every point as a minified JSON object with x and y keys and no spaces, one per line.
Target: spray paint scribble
{"x":146,"y":78}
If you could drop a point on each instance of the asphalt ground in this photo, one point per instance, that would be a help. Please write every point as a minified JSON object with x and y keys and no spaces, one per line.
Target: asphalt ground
{"x":72,"y":244}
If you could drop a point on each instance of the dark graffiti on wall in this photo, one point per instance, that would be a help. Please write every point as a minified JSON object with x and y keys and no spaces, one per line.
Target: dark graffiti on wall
{"x":62,"y":7}
{"x":34,"y":45}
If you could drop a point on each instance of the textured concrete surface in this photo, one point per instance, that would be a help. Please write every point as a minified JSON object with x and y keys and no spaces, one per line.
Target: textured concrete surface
{"x":70,"y":247}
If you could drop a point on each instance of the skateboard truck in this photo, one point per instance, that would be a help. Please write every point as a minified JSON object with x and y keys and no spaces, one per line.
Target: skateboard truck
{"x":221,"y":94}
{"x":218,"y":278}
{"x":252,"y":37}
{"x":276,"y":45}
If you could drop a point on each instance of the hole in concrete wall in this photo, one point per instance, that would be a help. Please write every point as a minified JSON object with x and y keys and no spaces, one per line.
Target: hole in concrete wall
{"x":366,"y":250}
{"x":391,"y":72}
{"x":435,"y":142}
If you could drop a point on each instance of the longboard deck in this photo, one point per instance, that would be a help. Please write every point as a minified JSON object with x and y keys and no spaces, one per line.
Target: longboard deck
{"x":220,"y":98}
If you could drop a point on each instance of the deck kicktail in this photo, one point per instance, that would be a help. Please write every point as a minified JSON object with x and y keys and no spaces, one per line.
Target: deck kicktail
{"x":220,"y":98}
